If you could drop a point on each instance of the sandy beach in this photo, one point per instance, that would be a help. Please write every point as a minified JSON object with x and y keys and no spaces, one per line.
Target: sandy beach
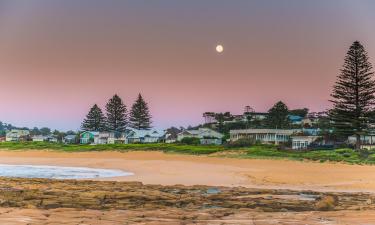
{"x":169,"y":169}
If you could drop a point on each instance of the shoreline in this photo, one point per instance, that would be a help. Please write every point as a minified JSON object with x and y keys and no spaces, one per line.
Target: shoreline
{"x":153,"y":167}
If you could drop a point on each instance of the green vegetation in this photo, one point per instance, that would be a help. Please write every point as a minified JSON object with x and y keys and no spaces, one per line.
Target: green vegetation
{"x":256,"y":151}
{"x":178,"y":148}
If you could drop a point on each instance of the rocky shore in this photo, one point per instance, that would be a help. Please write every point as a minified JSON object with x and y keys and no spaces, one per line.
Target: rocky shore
{"x":157,"y":204}
{"x":104,"y":195}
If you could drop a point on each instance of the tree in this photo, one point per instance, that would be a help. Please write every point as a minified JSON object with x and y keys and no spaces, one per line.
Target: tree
{"x":278,"y":116}
{"x":95,"y":120}
{"x":116,"y":114}
{"x":353,"y":94}
{"x":45,"y":131}
{"x":140,"y":117}
{"x":35,"y":131}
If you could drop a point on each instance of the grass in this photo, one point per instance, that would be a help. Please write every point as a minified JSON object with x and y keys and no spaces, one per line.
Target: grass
{"x":178,"y":148}
{"x":257,"y":151}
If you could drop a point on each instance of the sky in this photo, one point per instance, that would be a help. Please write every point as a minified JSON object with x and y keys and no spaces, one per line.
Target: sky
{"x":59,"y":57}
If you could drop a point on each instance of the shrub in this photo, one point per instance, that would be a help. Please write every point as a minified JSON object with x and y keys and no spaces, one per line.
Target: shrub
{"x":240,"y":143}
{"x":190,"y":141}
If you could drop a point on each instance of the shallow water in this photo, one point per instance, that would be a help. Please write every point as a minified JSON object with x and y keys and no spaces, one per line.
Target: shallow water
{"x":58,"y":172}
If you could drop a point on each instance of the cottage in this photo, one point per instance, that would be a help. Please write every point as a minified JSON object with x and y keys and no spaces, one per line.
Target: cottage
{"x":302,"y":142}
{"x":70,"y":139}
{"x":206,"y":136}
{"x":170,"y":135}
{"x":88,"y":137}
{"x":367,"y":141}
{"x":272,"y":136}
{"x":142,"y":136}
{"x":38,"y":138}
{"x":17,"y":135}
{"x":52,"y":138}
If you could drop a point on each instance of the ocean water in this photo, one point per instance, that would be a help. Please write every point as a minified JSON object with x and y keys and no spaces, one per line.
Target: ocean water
{"x":58,"y":172}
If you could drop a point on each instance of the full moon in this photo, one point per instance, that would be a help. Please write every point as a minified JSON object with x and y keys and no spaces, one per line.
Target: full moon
{"x":219,"y":48}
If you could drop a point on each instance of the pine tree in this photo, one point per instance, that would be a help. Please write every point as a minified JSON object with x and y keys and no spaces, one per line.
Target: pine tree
{"x":278,"y":116}
{"x":94,"y":121}
{"x":116,"y":114}
{"x":353,"y":94}
{"x":140,"y":117}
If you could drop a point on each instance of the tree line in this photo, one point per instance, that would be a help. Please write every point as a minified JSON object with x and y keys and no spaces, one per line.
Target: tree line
{"x":117,"y":118}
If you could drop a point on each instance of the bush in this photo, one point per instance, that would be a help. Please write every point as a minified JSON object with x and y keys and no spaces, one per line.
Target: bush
{"x":190,"y":141}
{"x":240,"y":143}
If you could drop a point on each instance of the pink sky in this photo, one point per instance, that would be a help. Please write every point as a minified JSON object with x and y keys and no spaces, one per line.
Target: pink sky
{"x":59,"y":58}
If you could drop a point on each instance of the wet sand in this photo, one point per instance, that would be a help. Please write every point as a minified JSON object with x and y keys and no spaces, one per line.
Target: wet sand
{"x":170,"y":169}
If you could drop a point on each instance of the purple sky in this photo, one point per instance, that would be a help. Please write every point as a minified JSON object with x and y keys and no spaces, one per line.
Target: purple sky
{"x":58,"y":58}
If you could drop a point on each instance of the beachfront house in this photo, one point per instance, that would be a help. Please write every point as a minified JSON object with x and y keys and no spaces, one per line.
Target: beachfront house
{"x":17,"y":135}
{"x":42,"y":138}
{"x":205,"y":135}
{"x":87,"y":137}
{"x":142,"y":136}
{"x":301,"y":142}
{"x":270,"y":136}
{"x":70,"y":139}
{"x":367,"y":141}
{"x":39,"y":138}
{"x":170,"y":134}
{"x":102,"y":137}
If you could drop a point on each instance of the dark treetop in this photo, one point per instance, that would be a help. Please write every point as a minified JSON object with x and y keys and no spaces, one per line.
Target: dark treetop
{"x":95,"y":120}
{"x":278,"y":116}
{"x":116,"y":114}
{"x":140,"y":117}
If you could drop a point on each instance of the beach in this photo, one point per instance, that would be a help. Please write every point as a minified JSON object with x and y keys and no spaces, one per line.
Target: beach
{"x":153,"y":167}
{"x":172,"y":189}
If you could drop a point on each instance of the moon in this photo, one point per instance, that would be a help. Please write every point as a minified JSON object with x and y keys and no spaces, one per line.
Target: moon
{"x":219,"y":48}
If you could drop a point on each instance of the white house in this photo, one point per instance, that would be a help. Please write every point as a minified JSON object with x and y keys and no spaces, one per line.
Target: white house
{"x":16,"y":135}
{"x":70,"y":139}
{"x":274,"y":136}
{"x":367,"y":141}
{"x":207,"y":136}
{"x":142,"y":136}
{"x":39,"y":138}
{"x":302,"y":142}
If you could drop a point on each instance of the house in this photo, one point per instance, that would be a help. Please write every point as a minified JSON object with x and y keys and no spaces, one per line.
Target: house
{"x":70,"y":139}
{"x":38,"y":138}
{"x":109,"y":137}
{"x":170,"y":134}
{"x":273,"y":136}
{"x":2,"y":139}
{"x":41,"y":138}
{"x":17,"y":135}
{"x":51,"y":138}
{"x":367,"y":141}
{"x":206,"y":136}
{"x":300,"y":142}
{"x":102,"y":137}
{"x":88,"y":137}
{"x":142,"y":136}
